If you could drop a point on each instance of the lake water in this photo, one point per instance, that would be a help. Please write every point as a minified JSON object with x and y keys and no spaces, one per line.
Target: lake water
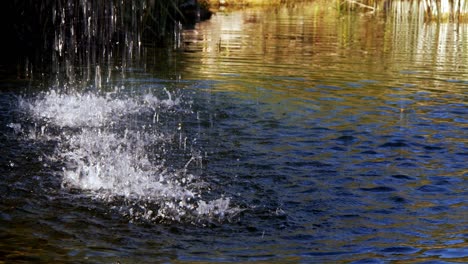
{"x":280,"y":135}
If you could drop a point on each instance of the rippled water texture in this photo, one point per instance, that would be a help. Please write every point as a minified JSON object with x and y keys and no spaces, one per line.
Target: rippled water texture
{"x":283,"y":135}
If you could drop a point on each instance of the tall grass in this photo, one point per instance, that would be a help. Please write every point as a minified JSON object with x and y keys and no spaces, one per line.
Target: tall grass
{"x":248,"y":3}
{"x":431,"y":10}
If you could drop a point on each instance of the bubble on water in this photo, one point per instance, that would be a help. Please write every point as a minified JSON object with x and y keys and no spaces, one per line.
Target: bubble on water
{"x":121,"y":164}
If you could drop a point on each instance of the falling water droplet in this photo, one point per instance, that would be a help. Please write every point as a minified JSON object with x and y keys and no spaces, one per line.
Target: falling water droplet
{"x":97,"y":80}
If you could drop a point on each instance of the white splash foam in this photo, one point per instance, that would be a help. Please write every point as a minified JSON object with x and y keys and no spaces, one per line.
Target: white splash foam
{"x":78,"y":110}
{"x":108,"y":163}
{"x":16,"y":127}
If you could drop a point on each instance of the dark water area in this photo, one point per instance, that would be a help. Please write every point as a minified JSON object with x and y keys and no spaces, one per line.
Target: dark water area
{"x":283,"y":135}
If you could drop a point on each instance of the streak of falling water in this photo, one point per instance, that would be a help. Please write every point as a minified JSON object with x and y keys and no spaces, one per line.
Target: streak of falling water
{"x":98,"y":77}
{"x":92,"y":33}
{"x":109,"y":147}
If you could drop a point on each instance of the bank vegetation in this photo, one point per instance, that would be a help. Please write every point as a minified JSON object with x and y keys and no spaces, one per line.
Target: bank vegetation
{"x":429,"y":10}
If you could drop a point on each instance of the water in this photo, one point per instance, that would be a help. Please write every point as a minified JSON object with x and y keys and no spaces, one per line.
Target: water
{"x":281,"y":135}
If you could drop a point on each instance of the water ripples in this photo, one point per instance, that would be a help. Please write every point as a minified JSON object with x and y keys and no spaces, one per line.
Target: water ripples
{"x":325,"y":148}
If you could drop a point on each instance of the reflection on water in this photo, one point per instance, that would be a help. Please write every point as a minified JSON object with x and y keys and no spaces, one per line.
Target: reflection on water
{"x":309,"y":41}
{"x":300,"y":135}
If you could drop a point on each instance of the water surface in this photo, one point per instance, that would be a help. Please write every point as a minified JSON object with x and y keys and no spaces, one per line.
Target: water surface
{"x":292,"y":134}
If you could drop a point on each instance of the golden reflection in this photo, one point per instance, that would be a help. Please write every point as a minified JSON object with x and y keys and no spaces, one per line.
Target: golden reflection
{"x":314,"y":41}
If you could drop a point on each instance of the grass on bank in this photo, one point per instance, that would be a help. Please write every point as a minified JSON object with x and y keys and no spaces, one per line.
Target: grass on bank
{"x":432,"y":10}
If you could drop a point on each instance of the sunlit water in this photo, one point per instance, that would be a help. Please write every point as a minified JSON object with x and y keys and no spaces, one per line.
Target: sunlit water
{"x":282,"y":135}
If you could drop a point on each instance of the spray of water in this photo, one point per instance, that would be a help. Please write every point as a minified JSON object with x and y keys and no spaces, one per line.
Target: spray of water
{"x":114,"y":150}
{"x":113,"y":145}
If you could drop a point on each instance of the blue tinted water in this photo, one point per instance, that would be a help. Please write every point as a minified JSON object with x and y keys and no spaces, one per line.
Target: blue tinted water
{"x":300,"y":136}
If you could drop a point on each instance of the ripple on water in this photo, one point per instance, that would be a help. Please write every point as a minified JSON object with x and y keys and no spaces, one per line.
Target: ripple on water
{"x":398,"y":200}
{"x":354,"y":85}
{"x":370,"y":152}
{"x":445,"y":253}
{"x":347,"y":139}
{"x":403,"y":177}
{"x":429,"y":188}
{"x":329,"y":98}
{"x":368,"y":261}
{"x":400,"y":250}
{"x":394,"y":144}
{"x":379,"y":189}
{"x":330,"y":87}
{"x":444,"y":180}
{"x":409,"y":72}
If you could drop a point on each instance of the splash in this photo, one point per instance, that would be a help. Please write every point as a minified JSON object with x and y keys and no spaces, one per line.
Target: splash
{"x":114,"y":150}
